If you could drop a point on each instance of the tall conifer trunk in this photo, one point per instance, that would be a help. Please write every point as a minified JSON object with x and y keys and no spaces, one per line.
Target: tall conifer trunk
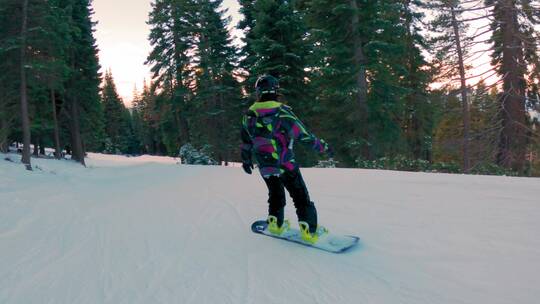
{"x":23,"y":90}
{"x":4,"y":128}
{"x":4,"y":147}
{"x":512,"y":142}
{"x":41,"y":146}
{"x":179,"y":81}
{"x":36,"y":146}
{"x":463,"y":89}
{"x":76,"y":139}
{"x":57,"y":149}
{"x":361,"y":79}
{"x":413,"y":131}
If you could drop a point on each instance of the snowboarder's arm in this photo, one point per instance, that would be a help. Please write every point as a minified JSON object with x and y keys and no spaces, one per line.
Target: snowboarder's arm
{"x":247,"y":144}
{"x":298,"y":131}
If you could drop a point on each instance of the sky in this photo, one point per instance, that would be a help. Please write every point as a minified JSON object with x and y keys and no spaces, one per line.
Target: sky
{"x":122,"y":39}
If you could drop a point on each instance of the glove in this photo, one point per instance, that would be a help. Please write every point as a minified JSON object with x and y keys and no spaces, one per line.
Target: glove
{"x":247,"y":168}
{"x":329,"y":151}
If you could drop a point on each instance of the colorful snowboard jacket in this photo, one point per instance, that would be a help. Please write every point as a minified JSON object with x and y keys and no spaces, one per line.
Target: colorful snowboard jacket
{"x":269,"y":130}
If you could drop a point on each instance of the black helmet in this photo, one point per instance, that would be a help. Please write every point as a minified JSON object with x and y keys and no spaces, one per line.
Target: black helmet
{"x":266,"y":84}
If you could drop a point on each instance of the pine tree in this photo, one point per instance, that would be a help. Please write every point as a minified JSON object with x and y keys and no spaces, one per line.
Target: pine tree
{"x":145,"y":106}
{"x":392,"y":67}
{"x":172,"y":38}
{"x":193,"y":61}
{"x":59,"y":64}
{"x":339,"y":71}
{"x":141,"y":127}
{"x":515,"y":49}
{"x":117,"y":118}
{"x":451,"y":47}
{"x":217,"y":96}
{"x":276,"y":44}
{"x":46,"y":71}
{"x":484,"y":125}
{"x":54,"y":69}
{"x":82,"y":87}
{"x":36,"y":55}
{"x":23,"y":84}
{"x":369,"y":77}
{"x":247,"y":24}
{"x":9,"y":63}
{"x":448,"y":133}
{"x":137,"y":123}
{"x":420,"y":119}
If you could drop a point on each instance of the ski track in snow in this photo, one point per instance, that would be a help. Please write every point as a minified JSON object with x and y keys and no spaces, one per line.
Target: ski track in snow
{"x":146,"y":230}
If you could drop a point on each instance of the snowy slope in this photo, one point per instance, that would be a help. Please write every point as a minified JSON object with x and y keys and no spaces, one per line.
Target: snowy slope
{"x":145,"y":230}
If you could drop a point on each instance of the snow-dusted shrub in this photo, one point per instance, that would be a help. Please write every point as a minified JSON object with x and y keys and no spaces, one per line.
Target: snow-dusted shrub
{"x":399,"y":162}
{"x":445,"y":167}
{"x":491,"y":169}
{"x":111,"y":148}
{"x":329,"y":163}
{"x":191,"y":156}
{"x":402,"y":163}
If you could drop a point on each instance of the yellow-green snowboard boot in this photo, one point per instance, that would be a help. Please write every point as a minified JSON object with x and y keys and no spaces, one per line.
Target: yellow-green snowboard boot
{"x":309,"y":237}
{"x":274,"y":228}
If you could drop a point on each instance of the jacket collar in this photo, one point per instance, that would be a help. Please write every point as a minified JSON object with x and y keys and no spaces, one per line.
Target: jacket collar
{"x":265,"y":105}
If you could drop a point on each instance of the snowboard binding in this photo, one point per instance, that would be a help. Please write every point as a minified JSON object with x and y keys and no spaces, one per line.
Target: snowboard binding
{"x":274,"y":228}
{"x":309,"y":237}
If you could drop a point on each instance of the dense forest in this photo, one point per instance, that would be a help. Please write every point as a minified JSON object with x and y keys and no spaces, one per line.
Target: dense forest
{"x":390,"y":84}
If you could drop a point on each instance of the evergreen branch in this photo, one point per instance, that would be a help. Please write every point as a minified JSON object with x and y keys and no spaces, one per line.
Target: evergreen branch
{"x":472,"y":9}
{"x":478,"y":54}
{"x":476,"y":18}
{"x":481,"y":74}
{"x":478,"y":35}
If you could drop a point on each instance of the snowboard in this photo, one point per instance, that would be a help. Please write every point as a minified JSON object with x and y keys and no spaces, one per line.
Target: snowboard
{"x":330,"y":242}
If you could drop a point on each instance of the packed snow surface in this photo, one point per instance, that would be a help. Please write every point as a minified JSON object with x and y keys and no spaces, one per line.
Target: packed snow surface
{"x":147,"y":230}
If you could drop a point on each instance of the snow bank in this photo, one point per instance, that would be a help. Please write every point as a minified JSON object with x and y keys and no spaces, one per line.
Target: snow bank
{"x":96,"y":159}
{"x":146,"y":230}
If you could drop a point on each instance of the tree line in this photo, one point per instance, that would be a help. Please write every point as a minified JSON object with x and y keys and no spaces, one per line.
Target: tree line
{"x":382,"y":81}
{"x":49,"y":80}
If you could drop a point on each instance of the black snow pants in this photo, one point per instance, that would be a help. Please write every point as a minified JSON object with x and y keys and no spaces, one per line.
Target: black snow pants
{"x":294,"y":183}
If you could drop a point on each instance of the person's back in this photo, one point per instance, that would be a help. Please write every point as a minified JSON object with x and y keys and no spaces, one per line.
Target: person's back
{"x":273,"y":128}
{"x":269,"y":130}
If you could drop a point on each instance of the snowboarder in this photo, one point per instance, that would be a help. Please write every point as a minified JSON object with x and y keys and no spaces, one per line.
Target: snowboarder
{"x":269,"y":130}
